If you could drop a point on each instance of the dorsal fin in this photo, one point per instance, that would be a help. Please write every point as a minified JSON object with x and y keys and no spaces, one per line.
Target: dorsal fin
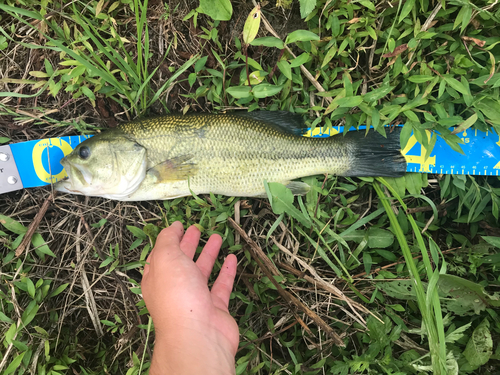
{"x":283,"y":121}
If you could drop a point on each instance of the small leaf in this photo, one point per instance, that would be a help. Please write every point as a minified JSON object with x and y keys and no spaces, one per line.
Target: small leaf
{"x":40,"y":245}
{"x":200,"y":64}
{"x":379,"y":238}
{"x":329,"y":55}
{"x":88,"y":92}
{"x":285,"y":68}
{"x":301,"y":36}
{"x":137,"y":232}
{"x":265,"y":89}
{"x":466,"y":124}
{"x":306,"y":7}
{"x":420,"y":78}
{"x":252,"y":25}
{"x":377,"y":93}
{"x":12,"y":225}
{"x":495,"y":241}
{"x":268,"y":41}
{"x":299,"y":60}
{"x":98,"y":7}
{"x":456,"y":85}
{"x":239,"y":92}
{"x":58,"y":290}
{"x":221,"y":10}
{"x":351,"y":101}
{"x":38,"y":74}
{"x":14,"y":364}
{"x":409,"y":4}
{"x":480,"y":346}
{"x":282,"y":201}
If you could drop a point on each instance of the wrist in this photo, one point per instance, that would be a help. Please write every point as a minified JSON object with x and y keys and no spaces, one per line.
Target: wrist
{"x":187,"y":351}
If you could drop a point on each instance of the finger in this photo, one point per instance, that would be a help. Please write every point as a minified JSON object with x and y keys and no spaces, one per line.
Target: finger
{"x":224,"y":284}
{"x":207,"y":257}
{"x":190,"y":241}
{"x":167,"y":242}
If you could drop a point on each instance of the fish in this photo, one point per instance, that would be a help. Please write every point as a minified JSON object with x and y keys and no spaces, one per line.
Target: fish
{"x":231,"y":154}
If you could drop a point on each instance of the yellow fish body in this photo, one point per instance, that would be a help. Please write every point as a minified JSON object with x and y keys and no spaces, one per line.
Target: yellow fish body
{"x":230,"y":154}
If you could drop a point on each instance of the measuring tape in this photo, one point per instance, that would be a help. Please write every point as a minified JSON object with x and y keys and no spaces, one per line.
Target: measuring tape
{"x":37,"y":163}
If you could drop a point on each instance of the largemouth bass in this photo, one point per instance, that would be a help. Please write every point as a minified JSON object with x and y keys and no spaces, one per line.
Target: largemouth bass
{"x":230,"y":154}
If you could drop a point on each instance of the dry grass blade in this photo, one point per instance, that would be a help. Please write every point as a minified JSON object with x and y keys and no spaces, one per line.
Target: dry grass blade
{"x":288,"y":297}
{"x":87,"y":289}
{"x":32,"y":227}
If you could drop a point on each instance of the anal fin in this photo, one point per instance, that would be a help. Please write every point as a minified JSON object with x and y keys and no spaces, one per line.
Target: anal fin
{"x":175,"y":169}
{"x":298,"y":188}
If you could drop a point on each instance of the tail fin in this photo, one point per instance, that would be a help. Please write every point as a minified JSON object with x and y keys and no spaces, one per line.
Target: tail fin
{"x":376,"y":156}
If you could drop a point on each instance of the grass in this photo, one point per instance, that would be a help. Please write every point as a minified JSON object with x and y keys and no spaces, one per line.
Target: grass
{"x":404,"y":272}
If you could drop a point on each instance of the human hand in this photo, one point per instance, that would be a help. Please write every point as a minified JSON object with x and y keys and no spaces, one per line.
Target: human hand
{"x":194,"y":331}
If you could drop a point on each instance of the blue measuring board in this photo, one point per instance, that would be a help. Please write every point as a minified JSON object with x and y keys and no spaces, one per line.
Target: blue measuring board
{"x":38,"y":161}
{"x":481,"y":149}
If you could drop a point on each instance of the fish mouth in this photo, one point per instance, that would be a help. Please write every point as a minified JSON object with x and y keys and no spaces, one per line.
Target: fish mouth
{"x":73,"y":175}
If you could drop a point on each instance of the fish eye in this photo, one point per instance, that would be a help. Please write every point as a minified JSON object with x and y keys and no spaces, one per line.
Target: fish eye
{"x":84,"y":152}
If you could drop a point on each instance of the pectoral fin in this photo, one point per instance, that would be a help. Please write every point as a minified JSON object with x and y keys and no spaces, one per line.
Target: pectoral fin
{"x":175,"y":169}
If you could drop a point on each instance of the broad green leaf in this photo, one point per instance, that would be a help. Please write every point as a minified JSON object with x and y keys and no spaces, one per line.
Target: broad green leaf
{"x":490,"y":108}
{"x":377,"y":94}
{"x":417,"y":102}
{"x":495,"y":241}
{"x":5,"y":318}
{"x":285,"y":68}
{"x":200,"y":64}
{"x":137,"y":232}
{"x":38,"y":74}
{"x":30,"y":313}
{"x":265,"y":89}
{"x":299,"y":60}
{"x":12,"y":225}
{"x":329,"y":55}
{"x":351,"y":101}
{"x":301,"y":36}
{"x":399,"y":289}
{"x":409,"y":4}
{"x":219,"y":10}
{"x":30,"y":287}
{"x":268,"y":41}
{"x":379,"y":238}
{"x":420,"y":78}
{"x":282,"y":202}
{"x":14,"y":364}
{"x":480,"y":346}
{"x":466,"y":124}
{"x":4,"y":140}
{"x":88,"y":92}
{"x":413,"y":183}
{"x":465,"y":296}
{"x":239,"y":92}
{"x":255,"y":78}
{"x":456,"y":85}
{"x":306,"y":7}
{"x":40,"y":245}
{"x":252,"y":25}
{"x":58,"y":290}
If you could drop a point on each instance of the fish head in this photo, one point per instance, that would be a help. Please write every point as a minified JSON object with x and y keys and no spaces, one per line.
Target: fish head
{"x":107,"y":165}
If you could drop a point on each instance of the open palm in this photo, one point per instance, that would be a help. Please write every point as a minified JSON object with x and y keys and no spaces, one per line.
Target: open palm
{"x":177,"y":295}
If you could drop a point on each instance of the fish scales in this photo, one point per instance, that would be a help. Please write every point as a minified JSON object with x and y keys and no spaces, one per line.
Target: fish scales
{"x":230,"y":154}
{"x":234,"y":154}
